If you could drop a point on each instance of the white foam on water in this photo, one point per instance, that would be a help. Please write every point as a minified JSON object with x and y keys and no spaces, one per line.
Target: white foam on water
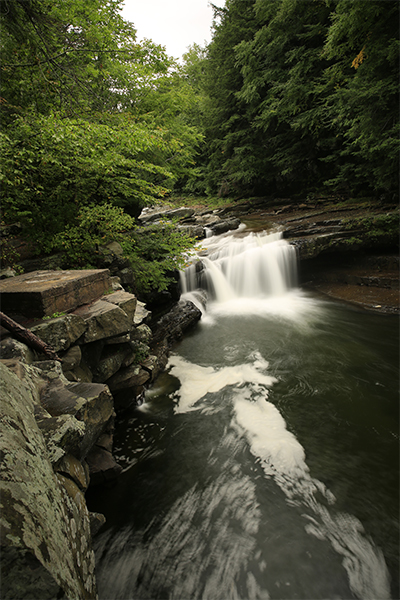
{"x":294,"y":306}
{"x":282,"y":457}
{"x":197,"y":381}
{"x":256,"y":275}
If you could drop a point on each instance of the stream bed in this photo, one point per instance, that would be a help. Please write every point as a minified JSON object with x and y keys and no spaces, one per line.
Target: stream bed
{"x":264,"y":463}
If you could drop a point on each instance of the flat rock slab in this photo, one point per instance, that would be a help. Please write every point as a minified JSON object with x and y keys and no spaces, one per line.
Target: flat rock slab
{"x":43,"y":293}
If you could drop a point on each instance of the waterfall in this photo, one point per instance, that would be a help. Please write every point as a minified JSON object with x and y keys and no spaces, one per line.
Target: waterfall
{"x":233,"y":266}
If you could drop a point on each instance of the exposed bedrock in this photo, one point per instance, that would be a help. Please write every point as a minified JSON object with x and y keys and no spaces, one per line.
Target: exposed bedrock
{"x":58,"y":425}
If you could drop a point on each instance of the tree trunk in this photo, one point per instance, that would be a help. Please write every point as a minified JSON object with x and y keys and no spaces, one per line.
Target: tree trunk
{"x":27,"y":337}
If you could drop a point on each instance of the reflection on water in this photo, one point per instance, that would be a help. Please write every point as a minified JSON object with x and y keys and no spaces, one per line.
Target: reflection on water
{"x":264,"y":463}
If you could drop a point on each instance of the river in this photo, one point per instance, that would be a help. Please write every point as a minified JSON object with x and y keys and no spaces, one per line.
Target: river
{"x":264,"y":463}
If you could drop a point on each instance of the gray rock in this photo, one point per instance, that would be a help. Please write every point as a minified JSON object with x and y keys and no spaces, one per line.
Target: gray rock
{"x":151,"y":366}
{"x":173,"y":324}
{"x":196,"y":231}
{"x":141,"y":314}
{"x":103,"y":467}
{"x":35,"y":516}
{"x":103,"y":320}
{"x":97,"y":521}
{"x":115,"y":248}
{"x":118,"y":339}
{"x":176,"y":213}
{"x":126,"y":276}
{"x":71,"y":467}
{"x":131,"y":377}
{"x":116,"y":283}
{"x":224,"y":226}
{"x":10,"y":348}
{"x":124,"y":300}
{"x":71,"y":359}
{"x":6,"y":273}
{"x":142,"y":333}
{"x":61,"y":332}
{"x":111,"y":361}
{"x":24,"y":577}
{"x":63,"y":434}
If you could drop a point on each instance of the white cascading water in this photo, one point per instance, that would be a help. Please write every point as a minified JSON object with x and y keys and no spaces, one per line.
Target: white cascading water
{"x":254,"y":266}
{"x":243,"y":273}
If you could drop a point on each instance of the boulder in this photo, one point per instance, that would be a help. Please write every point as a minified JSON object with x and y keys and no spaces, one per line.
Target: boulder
{"x":69,"y":466}
{"x":150,"y":365}
{"x":63,"y":435}
{"x":131,"y":377}
{"x":142,"y":333}
{"x":42,"y":293}
{"x":196,"y":231}
{"x":172,"y":325}
{"x":175,"y":213}
{"x":223,"y":226}
{"x":90,"y":403}
{"x":60,"y":332}
{"x":24,"y":577}
{"x":118,"y":339}
{"x":97,"y":521}
{"x":103,"y":320}
{"x":126,"y":276}
{"x":141,"y":314}
{"x":11,"y":348}
{"x":71,"y":359}
{"x":124,"y":300}
{"x":112,"y":359}
{"x":102,"y":465}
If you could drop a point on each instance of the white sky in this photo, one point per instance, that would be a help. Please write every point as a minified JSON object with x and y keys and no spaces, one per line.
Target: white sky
{"x":175,"y":24}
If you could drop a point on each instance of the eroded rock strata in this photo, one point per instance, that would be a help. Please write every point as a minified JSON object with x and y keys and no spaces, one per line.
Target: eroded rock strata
{"x":57,"y":433}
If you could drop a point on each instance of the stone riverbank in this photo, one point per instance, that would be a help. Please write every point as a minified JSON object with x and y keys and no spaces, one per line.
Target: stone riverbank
{"x":58,"y":419}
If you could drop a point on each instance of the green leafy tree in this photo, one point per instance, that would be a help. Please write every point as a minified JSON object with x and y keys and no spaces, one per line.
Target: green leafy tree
{"x":51,"y":167}
{"x":93,"y":123}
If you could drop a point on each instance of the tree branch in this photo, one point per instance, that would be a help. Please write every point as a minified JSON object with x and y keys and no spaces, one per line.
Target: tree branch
{"x":27,"y":337}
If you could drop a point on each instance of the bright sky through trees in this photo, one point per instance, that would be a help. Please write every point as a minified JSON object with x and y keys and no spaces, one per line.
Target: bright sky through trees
{"x":175,"y":24}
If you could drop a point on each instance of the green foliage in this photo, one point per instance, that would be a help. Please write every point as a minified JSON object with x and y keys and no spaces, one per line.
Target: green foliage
{"x":54,"y":316}
{"x":94,"y":226}
{"x":302,"y":94}
{"x":155,"y":252}
{"x":376,"y":228}
{"x":9,"y":256}
{"x":95,"y":127}
{"x":51,"y":167}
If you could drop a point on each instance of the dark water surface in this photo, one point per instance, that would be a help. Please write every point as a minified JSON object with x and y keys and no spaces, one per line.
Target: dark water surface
{"x":217,"y":501}
{"x":264,"y":463}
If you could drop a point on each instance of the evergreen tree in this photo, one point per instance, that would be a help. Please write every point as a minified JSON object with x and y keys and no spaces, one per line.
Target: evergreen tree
{"x":302,"y":94}
{"x":363,"y":42}
{"x":227,"y":127}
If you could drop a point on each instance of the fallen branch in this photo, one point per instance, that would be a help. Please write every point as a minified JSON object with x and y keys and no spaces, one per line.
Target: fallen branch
{"x":26,"y":336}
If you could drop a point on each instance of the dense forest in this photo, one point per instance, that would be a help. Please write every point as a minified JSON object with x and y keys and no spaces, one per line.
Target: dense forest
{"x":291,"y":97}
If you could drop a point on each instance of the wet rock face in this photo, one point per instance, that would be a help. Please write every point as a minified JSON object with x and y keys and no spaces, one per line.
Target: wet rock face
{"x":195,"y":224}
{"x":172,"y":325}
{"x":42,"y":521}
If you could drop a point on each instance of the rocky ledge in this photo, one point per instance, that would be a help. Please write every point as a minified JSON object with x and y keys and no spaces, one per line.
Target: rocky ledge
{"x":347,"y":250}
{"x":58,"y":421}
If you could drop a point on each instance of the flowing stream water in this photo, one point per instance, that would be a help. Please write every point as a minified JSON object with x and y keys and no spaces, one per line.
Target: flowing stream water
{"x":264,"y":462}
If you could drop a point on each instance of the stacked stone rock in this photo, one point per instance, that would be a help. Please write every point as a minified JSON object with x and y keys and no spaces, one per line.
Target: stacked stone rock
{"x":58,"y":422}
{"x":57,"y":436}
